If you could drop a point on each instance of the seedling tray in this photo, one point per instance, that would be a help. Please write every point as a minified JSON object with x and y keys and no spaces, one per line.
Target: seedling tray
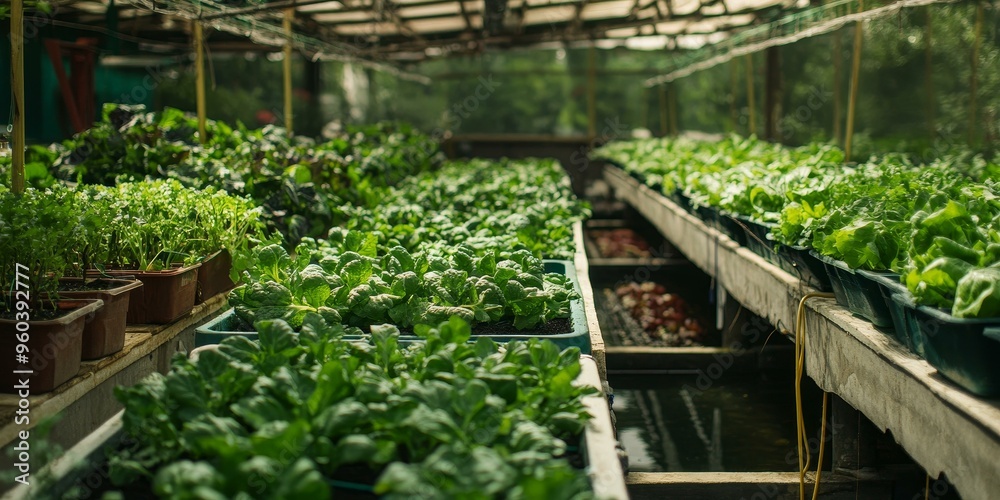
{"x":964,"y":351}
{"x":226,"y":324}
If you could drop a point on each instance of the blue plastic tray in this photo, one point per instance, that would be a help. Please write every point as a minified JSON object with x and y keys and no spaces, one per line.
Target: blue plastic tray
{"x":228,"y":324}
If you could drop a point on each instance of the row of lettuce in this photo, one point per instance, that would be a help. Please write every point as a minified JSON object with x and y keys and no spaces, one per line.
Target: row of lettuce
{"x":936,"y":224}
{"x":464,"y":239}
{"x":371,"y":231}
{"x":310,"y":415}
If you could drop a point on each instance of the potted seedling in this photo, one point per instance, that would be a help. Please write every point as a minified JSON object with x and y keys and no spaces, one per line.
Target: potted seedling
{"x":43,"y":333}
{"x":150,"y":228}
{"x":229,"y":223}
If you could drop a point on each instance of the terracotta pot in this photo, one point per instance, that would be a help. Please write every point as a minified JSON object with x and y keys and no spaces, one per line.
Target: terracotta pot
{"x":54,"y":348}
{"x":164,"y":297}
{"x":105,"y":334}
{"x":213,"y":276}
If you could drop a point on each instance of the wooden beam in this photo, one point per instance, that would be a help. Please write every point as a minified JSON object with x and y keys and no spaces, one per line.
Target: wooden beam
{"x":664,"y":124}
{"x":771,"y":485}
{"x":751,"y":104}
{"x":592,"y":91}
{"x":199,"y":63}
{"x":465,"y":15}
{"x":931,"y":104}
{"x":772,"y":93}
{"x":838,"y":134}
{"x":734,"y":116}
{"x":287,"y":22}
{"x":973,"y":76}
{"x":256,"y":9}
{"x":852,"y":97}
{"x":17,"y":86}
{"x":672,"y":107}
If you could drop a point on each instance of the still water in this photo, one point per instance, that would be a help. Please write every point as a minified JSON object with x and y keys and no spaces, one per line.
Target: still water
{"x":746,"y":423}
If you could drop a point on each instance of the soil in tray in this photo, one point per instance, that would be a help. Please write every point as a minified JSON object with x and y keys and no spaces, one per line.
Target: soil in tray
{"x":738,"y":423}
{"x":80,"y":286}
{"x":46,"y":313}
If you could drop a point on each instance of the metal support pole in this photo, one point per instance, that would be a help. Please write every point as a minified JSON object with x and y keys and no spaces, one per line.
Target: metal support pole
{"x":199,"y":62}
{"x":287,"y":24}
{"x":17,"y":85}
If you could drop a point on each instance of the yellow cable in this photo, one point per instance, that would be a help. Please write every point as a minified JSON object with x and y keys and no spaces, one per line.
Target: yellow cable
{"x":822,"y":447}
{"x":927,"y":488}
{"x":800,"y":359}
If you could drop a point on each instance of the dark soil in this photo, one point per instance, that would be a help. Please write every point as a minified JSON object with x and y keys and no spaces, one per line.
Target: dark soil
{"x":80,"y":286}
{"x":45,"y":314}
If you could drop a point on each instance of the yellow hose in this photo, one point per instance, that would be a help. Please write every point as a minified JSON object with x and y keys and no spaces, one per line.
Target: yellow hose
{"x":800,"y":360}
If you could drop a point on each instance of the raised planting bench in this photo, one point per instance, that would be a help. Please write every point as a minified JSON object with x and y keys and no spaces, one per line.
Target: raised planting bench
{"x":227,"y":323}
{"x":87,"y":400}
{"x":86,"y":462}
{"x":942,"y":427}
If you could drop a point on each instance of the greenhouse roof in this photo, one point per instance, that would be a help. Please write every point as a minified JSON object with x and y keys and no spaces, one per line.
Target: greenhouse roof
{"x":413,"y":30}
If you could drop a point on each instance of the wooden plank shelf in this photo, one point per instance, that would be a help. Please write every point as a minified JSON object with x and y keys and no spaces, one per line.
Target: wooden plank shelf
{"x":942,"y":427}
{"x":590,"y":307}
{"x":87,"y":400}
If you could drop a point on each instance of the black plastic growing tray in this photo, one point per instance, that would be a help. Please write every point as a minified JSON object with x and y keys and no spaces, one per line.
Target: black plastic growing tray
{"x":796,"y":261}
{"x":858,"y":293}
{"x":963,"y":350}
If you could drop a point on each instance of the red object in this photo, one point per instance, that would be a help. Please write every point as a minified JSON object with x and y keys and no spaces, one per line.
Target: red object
{"x":78,"y":87}
{"x":265,"y":117}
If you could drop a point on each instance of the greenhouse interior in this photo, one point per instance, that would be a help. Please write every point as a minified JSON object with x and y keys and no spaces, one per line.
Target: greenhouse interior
{"x":484,"y":249}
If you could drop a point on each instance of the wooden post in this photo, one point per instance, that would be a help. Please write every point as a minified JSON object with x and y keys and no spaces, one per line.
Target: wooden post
{"x":17,"y":85}
{"x":772,"y":93}
{"x":644,"y":109}
{"x":852,"y":97}
{"x":973,"y":80}
{"x":929,"y":75}
{"x":664,"y":126}
{"x":733,"y":114}
{"x":591,"y":92}
{"x":287,"y":24}
{"x":838,"y":87}
{"x":199,"y":62}
{"x":672,"y":103}
{"x":752,"y":129}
